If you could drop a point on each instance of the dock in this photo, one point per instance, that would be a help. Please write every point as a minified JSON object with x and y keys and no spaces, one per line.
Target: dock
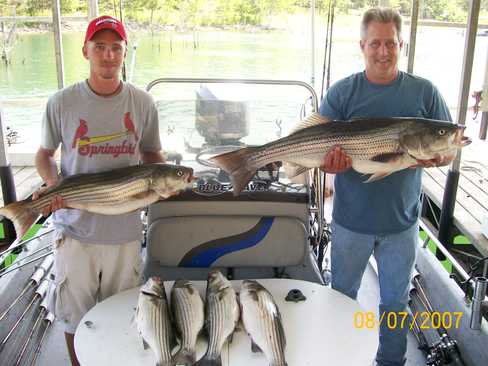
{"x":26,"y":181}
{"x":472,"y":194}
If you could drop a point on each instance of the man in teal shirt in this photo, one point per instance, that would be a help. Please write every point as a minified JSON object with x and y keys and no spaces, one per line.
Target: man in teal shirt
{"x":379,"y":218}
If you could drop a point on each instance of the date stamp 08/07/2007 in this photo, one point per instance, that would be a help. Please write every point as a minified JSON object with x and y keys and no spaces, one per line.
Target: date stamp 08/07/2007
{"x":402,"y":319}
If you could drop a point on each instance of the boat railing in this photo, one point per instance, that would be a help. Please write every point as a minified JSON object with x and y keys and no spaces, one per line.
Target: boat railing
{"x":474,"y":287}
{"x":317,"y":176}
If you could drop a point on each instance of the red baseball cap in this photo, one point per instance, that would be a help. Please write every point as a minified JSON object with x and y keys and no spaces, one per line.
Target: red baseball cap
{"x":105,"y":22}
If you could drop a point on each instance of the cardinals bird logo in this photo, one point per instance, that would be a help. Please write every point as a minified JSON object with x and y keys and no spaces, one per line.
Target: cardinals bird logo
{"x":129,"y":125}
{"x":80,"y":139}
{"x":81,"y":131}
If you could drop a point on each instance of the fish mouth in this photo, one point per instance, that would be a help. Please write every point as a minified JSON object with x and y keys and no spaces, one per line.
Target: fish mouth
{"x":460,"y":139}
{"x":189,"y":177}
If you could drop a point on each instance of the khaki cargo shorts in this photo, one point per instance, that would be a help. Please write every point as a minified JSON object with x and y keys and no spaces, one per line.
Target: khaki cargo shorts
{"x":88,"y":273}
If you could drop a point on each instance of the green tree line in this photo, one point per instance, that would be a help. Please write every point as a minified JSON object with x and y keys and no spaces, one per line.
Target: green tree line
{"x":228,"y":12}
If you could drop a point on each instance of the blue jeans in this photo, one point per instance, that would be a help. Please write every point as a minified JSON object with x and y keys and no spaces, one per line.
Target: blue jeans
{"x":395,"y":255}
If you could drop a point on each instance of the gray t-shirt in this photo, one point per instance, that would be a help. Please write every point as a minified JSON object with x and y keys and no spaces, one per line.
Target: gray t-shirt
{"x":98,"y":134}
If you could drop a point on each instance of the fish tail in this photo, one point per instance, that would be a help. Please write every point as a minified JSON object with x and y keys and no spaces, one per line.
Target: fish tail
{"x":236,"y":163}
{"x":210,"y":362}
{"x":185,"y":357}
{"x":21,"y":215}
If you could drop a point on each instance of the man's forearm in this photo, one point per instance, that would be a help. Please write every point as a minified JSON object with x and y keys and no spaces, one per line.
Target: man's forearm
{"x":148,"y":157}
{"x":47,"y":168}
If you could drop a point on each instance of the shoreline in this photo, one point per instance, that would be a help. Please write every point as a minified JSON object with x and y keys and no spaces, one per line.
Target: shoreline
{"x":132,"y":27}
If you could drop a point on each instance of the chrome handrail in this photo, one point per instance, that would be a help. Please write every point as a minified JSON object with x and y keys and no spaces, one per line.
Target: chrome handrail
{"x":320,"y":175}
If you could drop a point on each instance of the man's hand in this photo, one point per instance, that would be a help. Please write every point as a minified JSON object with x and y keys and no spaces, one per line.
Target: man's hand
{"x":336,"y":161}
{"x":56,"y":203}
{"x":439,"y":160}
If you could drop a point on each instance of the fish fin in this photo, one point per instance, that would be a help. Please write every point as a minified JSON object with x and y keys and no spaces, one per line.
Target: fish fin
{"x":21,"y":215}
{"x":210,"y":362}
{"x":236,"y":164}
{"x":184,"y":357}
{"x":145,"y":345}
{"x":377,"y":176}
{"x":312,"y":120}
{"x":255,"y":348}
{"x":281,"y":331}
{"x":294,"y":170}
{"x":387,"y":157}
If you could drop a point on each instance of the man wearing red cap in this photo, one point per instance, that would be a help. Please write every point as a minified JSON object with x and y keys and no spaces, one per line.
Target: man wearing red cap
{"x":101,"y":123}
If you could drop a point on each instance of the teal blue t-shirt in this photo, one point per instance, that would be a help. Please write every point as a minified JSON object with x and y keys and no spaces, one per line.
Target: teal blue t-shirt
{"x":389,"y":205}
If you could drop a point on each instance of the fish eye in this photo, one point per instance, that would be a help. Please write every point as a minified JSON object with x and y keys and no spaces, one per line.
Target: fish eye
{"x":179,"y":173}
{"x":442,"y":132}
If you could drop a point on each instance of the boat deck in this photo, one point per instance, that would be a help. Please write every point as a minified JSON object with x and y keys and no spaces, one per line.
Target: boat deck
{"x":26,"y":181}
{"x":472,"y":195}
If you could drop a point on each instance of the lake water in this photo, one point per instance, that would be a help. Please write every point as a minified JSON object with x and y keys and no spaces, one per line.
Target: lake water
{"x":31,"y":79}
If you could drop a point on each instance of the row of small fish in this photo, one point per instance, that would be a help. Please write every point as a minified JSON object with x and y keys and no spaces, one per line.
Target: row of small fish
{"x":219,"y":316}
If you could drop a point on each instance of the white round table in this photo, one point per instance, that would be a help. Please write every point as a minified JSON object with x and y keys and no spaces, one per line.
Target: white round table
{"x":319,"y":331}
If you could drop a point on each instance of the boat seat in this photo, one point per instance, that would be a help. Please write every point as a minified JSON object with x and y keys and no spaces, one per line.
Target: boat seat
{"x":186,"y":238}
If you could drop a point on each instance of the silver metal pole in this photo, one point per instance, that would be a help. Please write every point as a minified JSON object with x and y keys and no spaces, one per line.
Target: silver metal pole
{"x":312,"y":39}
{"x":7,"y":183}
{"x":34,"y":280}
{"x":469,"y":46}
{"x":132,"y":62}
{"x":49,"y":319}
{"x":450,"y":190}
{"x":464,"y":275}
{"x":315,"y":103}
{"x":484,"y":104}
{"x":413,"y":35}
{"x":92,"y":9}
{"x":19,"y":245}
{"x":58,"y":44}
{"x":478,"y":298}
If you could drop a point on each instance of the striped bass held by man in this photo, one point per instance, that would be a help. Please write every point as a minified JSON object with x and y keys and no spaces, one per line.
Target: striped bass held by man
{"x":111,"y":192}
{"x":377,"y":146}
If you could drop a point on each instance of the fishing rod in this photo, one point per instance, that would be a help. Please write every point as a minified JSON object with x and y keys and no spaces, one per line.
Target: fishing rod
{"x":124,"y":72}
{"x":39,"y":294}
{"x":46,"y":247}
{"x":415,"y":327}
{"x":330,"y":45}
{"x":35,"y":279}
{"x":43,"y":311}
{"x":49,"y":319}
{"x":21,"y":244}
{"x":325,"y":50}
{"x":25,"y":264}
{"x":445,"y":351}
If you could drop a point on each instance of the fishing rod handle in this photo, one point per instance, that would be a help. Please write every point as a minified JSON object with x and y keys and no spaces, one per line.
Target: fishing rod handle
{"x":42,"y":269}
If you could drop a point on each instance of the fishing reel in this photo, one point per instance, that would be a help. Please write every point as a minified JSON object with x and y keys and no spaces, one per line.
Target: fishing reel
{"x":445,"y":352}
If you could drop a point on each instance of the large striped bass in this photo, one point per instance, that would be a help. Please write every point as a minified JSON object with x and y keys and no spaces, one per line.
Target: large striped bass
{"x":153,"y":320}
{"x":188,"y":316}
{"x":111,"y":192}
{"x":377,"y":146}
{"x":221,"y":316}
{"x":262,"y":320}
